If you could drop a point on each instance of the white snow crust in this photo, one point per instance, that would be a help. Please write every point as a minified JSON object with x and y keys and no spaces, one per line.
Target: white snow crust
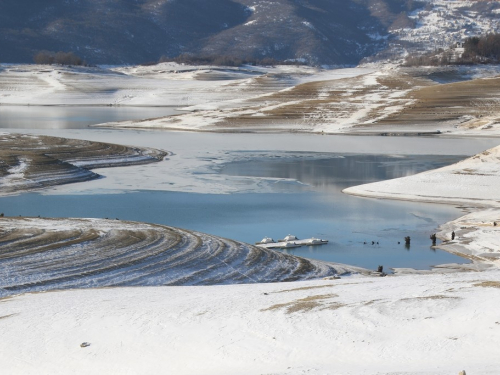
{"x":406,"y":325}
{"x":166,"y":84}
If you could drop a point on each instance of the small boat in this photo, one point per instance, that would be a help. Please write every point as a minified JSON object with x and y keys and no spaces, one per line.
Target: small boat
{"x":265,"y":240}
{"x":289,"y":238}
{"x":316,"y":241}
{"x":289,"y":245}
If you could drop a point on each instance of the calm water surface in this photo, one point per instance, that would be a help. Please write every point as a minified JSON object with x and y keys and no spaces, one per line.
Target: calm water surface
{"x":52,"y":117}
{"x":316,"y":207}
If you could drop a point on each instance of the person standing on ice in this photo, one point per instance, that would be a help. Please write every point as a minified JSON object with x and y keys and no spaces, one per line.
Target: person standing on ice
{"x":433,"y":239}
{"x":452,"y":235}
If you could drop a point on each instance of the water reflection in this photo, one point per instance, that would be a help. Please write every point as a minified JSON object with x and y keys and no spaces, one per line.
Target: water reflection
{"x":334,"y":172}
{"x":57,"y":117}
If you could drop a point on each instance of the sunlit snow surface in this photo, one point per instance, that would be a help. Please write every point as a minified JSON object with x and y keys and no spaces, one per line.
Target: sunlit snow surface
{"x":411,"y":325}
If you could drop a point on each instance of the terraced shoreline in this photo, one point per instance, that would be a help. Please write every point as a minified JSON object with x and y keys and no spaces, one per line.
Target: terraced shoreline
{"x":29,"y":162}
{"x":38,"y":254}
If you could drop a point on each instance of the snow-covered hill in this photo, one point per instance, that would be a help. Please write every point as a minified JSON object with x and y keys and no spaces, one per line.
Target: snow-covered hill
{"x":442,"y":24}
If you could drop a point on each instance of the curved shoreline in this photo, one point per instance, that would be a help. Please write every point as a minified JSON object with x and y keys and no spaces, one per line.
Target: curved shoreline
{"x":40,"y":254}
{"x":33,"y":162}
{"x":478,"y":177}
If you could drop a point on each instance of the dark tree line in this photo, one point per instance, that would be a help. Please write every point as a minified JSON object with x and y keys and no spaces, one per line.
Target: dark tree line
{"x":477,"y":50}
{"x":484,"y":48}
{"x":189,"y":59}
{"x":62,"y":58}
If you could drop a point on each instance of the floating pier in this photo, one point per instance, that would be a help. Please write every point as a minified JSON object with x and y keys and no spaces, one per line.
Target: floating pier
{"x":290,"y":242}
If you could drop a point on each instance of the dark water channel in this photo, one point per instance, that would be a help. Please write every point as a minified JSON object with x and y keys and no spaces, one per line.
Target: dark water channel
{"x":314,"y":206}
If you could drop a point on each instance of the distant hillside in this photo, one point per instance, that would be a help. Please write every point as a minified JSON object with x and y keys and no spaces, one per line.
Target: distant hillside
{"x":135,"y":31}
{"x":334,"y":32}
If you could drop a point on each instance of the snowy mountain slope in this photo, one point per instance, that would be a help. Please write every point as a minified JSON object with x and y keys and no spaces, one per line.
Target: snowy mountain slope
{"x":442,"y":24}
{"x":134,"y":31}
{"x":335,"y":32}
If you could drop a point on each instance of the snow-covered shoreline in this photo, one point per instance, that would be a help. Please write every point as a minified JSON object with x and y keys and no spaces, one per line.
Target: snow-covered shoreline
{"x":32,"y":162}
{"x":39,"y":254}
{"x":473,"y":184}
{"x":363,"y":100}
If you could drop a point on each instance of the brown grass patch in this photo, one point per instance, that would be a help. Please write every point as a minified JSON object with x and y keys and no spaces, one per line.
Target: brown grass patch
{"x":373,"y":301}
{"x":489,"y":284}
{"x":450,"y":102}
{"x":304,"y":304}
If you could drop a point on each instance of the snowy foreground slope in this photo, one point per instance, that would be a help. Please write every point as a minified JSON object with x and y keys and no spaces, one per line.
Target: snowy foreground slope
{"x":432,"y":324}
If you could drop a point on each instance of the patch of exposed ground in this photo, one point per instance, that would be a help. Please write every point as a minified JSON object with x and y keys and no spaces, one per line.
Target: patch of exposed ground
{"x":489,"y":284}
{"x":307,"y":304}
{"x":437,"y":297}
{"x":314,"y":287}
{"x":473,"y":104}
{"x":305,"y":288}
{"x":7,"y":316}
{"x":30,"y":162}
{"x":321,"y":106}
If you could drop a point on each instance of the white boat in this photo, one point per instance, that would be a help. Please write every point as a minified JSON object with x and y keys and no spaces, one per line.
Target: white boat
{"x":289,"y":238}
{"x":265,"y":240}
{"x":316,"y":241}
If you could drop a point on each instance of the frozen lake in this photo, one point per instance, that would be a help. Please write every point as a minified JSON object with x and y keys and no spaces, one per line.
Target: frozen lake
{"x":247,"y":186}
{"x":53,"y":117}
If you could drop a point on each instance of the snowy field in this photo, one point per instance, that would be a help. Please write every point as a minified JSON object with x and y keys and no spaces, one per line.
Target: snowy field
{"x":406,"y":325}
